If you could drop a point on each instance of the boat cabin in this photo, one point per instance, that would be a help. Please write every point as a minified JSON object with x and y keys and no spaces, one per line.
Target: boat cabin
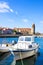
{"x":26,"y":39}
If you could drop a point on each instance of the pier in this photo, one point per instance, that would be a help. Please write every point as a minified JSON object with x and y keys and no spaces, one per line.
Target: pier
{"x":8,"y":35}
{"x":17,"y":35}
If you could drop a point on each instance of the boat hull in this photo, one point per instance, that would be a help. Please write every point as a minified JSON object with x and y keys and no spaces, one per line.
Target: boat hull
{"x":26,"y":54}
{"x":4,"y":50}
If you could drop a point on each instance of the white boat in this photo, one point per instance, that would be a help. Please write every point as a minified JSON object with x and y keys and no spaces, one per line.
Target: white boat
{"x":25,"y":47}
{"x":5,"y":47}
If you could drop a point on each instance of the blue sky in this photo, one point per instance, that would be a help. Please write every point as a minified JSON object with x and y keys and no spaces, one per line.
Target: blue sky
{"x":21,"y":13}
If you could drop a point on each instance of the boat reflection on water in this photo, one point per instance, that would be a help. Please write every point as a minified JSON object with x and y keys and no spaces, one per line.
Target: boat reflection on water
{"x":7,"y":59}
{"x":10,"y":60}
{"x":27,"y":61}
{"x":4,"y":55}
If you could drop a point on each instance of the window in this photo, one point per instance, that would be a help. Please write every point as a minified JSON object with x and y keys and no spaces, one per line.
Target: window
{"x":27,"y":39}
{"x":21,"y":39}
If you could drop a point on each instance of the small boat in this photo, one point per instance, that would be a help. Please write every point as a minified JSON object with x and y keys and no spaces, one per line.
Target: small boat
{"x":25,"y":47}
{"x":4,"y":47}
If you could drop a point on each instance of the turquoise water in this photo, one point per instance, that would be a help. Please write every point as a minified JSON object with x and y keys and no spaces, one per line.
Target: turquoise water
{"x":9,"y":40}
{"x":35,"y":60}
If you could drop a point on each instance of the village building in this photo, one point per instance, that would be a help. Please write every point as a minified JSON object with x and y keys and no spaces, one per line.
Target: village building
{"x":26,"y":30}
{"x":18,"y":30}
{"x":5,"y":30}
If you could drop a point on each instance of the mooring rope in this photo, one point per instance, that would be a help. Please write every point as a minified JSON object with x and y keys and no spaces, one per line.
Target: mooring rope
{"x":21,"y":59}
{"x":12,"y":54}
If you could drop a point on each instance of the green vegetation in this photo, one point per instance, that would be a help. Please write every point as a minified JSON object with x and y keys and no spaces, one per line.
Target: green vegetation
{"x":14,"y":31}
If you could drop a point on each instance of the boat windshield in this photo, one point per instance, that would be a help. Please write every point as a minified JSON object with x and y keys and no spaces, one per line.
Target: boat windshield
{"x":27,"y":39}
{"x":21,"y":39}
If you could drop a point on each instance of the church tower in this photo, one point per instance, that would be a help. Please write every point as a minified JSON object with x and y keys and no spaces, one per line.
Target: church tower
{"x":33,"y":29}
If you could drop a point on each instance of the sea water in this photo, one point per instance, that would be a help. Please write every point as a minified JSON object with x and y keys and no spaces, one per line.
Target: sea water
{"x":34,"y":60}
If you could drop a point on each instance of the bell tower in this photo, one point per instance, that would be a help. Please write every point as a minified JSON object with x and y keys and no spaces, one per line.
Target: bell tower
{"x":33,"y":29}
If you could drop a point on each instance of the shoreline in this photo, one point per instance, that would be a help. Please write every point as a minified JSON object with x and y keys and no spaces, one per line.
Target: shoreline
{"x":17,"y":35}
{"x":13,"y":35}
{"x":8,"y":35}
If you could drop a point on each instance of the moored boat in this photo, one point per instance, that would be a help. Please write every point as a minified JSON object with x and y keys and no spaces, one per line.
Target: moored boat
{"x":4,"y":47}
{"x":25,"y":47}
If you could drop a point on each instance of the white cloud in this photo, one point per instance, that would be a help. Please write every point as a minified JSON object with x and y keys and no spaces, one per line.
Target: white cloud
{"x":25,"y":20}
{"x":11,"y":10}
{"x":4,"y":7}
